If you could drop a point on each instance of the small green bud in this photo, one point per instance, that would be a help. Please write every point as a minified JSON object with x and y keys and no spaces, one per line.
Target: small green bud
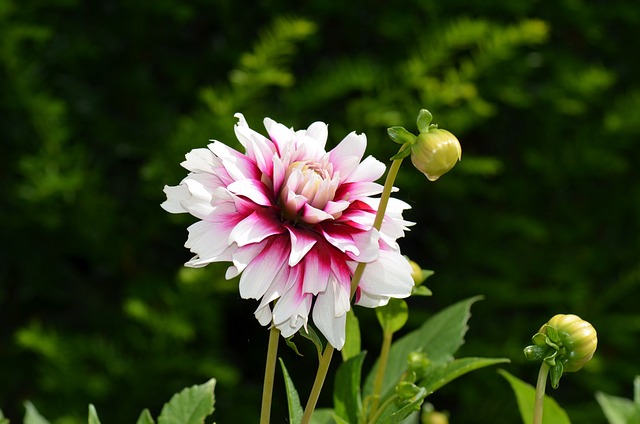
{"x":435,"y":417}
{"x":406,"y":390}
{"x":435,"y":152}
{"x":418,"y":363}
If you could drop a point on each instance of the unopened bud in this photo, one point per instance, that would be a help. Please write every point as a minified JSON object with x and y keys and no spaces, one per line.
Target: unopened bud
{"x":578,"y":338}
{"x":435,"y":152}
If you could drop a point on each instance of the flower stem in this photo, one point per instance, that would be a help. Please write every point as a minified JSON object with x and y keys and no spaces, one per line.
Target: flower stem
{"x":323,"y":367}
{"x":540,"y":387}
{"x":380,"y":410}
{"x":377,"y":222}
{"x":269,"y":375}
{"x":382,"y":367}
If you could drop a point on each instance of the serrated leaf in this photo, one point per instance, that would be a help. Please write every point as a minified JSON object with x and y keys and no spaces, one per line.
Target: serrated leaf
{"x":618,"y":410}
{"x":191,"y":406}
{"x":525,"y":394}
{"x":352,"y":345}
{"x":93,"y":415}
{"x":145,"y":418}
{"x":441,"y":374}
{"x":347,"y":399}
{"x":293,"y":399}
{"x":439,"y":338}
{"x":32,"y":416}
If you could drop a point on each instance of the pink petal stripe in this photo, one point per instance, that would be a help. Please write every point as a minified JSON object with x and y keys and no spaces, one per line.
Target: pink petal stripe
{"x":254,"y":228}
{"x":260,"y":273}
{"x":235,"y":163}
{"x":317,"y":268}
{"x":301,"y":242}
{"x":311,"y":215}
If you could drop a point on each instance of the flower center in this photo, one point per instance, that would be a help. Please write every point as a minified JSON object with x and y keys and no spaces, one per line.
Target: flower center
{"x":307,"y":183}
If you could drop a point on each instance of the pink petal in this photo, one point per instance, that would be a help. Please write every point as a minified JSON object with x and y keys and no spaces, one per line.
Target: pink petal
{"x":352,"y":191}
{"x":260,"y":273}
{"x":254,"y":190}
{"x":335,"y":209}
{"x":301,"y":243}
{"x":235,"y":163}
{"x":341,"y":238}
{"x":254,"y":228}
{"x":281,"y":136}
{"x":317,"y":268}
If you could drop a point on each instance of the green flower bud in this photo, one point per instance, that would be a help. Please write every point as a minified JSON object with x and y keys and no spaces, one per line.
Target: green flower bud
{"x":577,"y":337}
{"x":435,"y":152}
{"x":418,"y":363}
{"x":435,"y":417}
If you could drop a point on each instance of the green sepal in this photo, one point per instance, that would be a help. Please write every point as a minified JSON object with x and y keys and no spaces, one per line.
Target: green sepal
{"x":423,"y":121}
{"x":421,"y":291}
{"x":404,"y":151}
{"x":555,"y":373}
{"x":393,"y":316}
{"x":400,"y":135}
{"x":535,"y":352}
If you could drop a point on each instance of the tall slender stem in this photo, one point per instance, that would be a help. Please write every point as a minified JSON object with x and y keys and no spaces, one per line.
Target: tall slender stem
{"x":382,"y":367}
{"x":269,"y":375}
{"x":540,"y":387}
{"x":323,"y":367}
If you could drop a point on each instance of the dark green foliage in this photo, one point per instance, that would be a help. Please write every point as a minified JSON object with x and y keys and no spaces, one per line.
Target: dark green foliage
{"x":100,"y":102}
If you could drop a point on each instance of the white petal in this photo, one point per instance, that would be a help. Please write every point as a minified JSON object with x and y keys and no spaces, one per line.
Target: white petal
{"x":254,"y":190}
{"x":390,"y":275}
{"x":319,"y":131}
{"x":260,"y":273}
{"x":367,"y":242}
{"x":346,"y":155}
{"x":175,"y":196}
{"x":369,"y":169}
{"x":201,"y":160}
{"x":325,"y":318}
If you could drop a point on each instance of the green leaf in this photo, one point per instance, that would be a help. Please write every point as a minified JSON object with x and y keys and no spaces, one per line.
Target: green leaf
{"x":395,"y":414}
{"x":32,"y":416}
{"x":526,"y":393}
{"x":400,"y":135}
{"x":347,"y":399}
{"x":191,"y":406}
{"x":393,"y":316}
{"x":310,"y":333}
{"x":352,"y":342}
{"x":145,"y":418}
{"x":439,"y":338}
{"x":293,"y":400}
{"x":323,"y":416}
{"x":439,"y":375}
{"x":618,"y":410}
{"x":93,"y":415}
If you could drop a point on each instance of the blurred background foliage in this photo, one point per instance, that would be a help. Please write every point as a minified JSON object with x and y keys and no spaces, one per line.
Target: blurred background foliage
{"x":99,"y":102}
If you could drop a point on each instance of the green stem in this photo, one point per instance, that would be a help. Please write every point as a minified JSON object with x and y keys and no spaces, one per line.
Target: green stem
{"x":323,"y":368}
{"x":380,"y":410}
{"x":540,"y":387}
{"x":384,"y":357}
{"x":269,"y":375}
{"x":377,"y":222}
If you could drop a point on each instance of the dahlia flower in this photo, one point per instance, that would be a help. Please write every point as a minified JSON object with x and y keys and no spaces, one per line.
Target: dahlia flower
{"x":294,"y":221}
